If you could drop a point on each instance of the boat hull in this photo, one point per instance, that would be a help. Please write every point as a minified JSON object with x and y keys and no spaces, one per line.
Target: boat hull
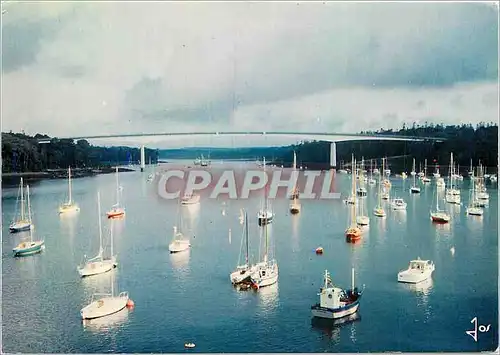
{"x":474,"y":211}
{"x":415,"y":190}
{"x":97,"y":267}
{"x":353,"y":235}
{"x":413,"y":278}
{"x":20,"y":227}
{"x":379,"y":212}
{"x":115,"y":213}
{"x":241,"y":275}
{"x":328,"y":313}
{"x":68,"y":209}
{"x":105,"y":307}
{"x":362,"y":220}
{"x":437,"y":218}
{"x":28,"y":248}
{"x":177,"y":247}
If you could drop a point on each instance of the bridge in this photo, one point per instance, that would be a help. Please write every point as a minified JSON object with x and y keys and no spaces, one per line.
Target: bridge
{"x":323,"y":136}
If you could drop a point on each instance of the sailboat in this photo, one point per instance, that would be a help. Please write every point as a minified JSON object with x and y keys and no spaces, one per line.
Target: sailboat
{"x":295,"y":204}
{"x":265,"y":215}
{"x":33,"y":246}
{"x":97,"y":264}
{"x":361,"y":190}
{"x":353,"y":233}
{"x":474,"y":208}
{"x":414,"y":189}
{"x":267,"y":272}
{"x":105,"y":304}
{"x":438,"y":215}
{"x":70,"y":205}
{"x":379,"y":210}
{"x":481,"y":193}
{"x":361,"y":218}
{"x":425,"y":179}
{"x":452,"y":195}
{"x":371,"y":180}
{"x":179,"y":242}
{"x":398,"y":203}
{"x":116,"y":210}
{"x":335,"y":302}
{"x":21,"y":224}
{"x":244,"y":271}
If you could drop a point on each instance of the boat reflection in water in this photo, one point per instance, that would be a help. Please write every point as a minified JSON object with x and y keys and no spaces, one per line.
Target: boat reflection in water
{"x":268,"y":297}
{"x":331,"y":327}
{"x":180,"y":261}
{"x":104,"y":324}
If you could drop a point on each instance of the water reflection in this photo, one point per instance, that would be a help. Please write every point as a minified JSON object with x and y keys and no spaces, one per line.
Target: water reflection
{"x":331,"y":327}
{"x":190,"y":218}
{"x":295,"y":233}
{"x":422,"y":290}
{"x":399,"y":216}
{"x":100,"y":283}
{"x":268,"y":297}
{"x":27,"y":266}
{"x":104,"y":324}
{"x":67,"y":227}
{"x":180,"y":262}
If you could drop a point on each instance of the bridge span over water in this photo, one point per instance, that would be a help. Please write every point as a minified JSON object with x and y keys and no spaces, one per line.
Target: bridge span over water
{"x":320,"y":136}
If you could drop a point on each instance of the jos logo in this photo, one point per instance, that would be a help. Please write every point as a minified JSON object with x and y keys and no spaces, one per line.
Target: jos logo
{"x":482,"y":329}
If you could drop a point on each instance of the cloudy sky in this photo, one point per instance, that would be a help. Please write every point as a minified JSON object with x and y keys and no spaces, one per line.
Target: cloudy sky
{"x":94,"y":68}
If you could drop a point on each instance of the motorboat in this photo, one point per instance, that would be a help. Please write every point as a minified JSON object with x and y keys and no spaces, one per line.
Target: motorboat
{"x":398,"y":204}
{"x":418,"y":270}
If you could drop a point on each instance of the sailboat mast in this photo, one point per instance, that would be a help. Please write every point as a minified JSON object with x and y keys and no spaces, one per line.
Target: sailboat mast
{"x":294,"y":160}
{"x":246,"y":232}
{"x":414,"y":173}
{"x":352,"y":279}
{"x":22,"y":200}
{"x":69,"y":185}
{"x":380,"y":185}
{"x":29,"y":211}
{"x":267,"y":244}
{"x":117,"y":189}
{"x":353,"y":210}
{"x":451,"y":170}
{"x":425,"y":168}
{"x":100,"y":223}
{"x":265,"y":189}
{"x":111,"y":232}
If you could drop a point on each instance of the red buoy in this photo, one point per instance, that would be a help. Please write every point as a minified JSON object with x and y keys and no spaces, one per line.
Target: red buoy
{"x":130,"y":303}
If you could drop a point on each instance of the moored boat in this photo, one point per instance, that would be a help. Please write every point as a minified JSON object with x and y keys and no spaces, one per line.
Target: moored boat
{"x":418,"y":270}
{"x":336,"y":302}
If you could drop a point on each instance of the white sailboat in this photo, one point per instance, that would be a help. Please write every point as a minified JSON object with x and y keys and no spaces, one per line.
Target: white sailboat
{"x":244,"y":271}
{"x":105,"y":304}
{"x":379,"y":210}
{"x":265,"y":215}
{"x":481,"y":193}
{"x":70,"y":205}
{"x":98,"y":264}
{"x":474,"y":208}
{"x":361,"y":190}
{"x":438,"y":215}
{"x":267,"y":272}
{"x":425,"y":179}
{"x":414,"y":189}
{"x":452,"y":195}
{"x":295,"y":204}
{"x":371,"y":180}
{"x":398,"y":203}
{"x":22,"y":223}
{"x":361,"y":218}
{"x":180,"y":242}
{"x":32,"y":246}
{"x":117,"y":210}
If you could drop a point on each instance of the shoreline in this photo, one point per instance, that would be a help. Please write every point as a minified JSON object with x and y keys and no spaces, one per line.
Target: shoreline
{"x":12,"y":179}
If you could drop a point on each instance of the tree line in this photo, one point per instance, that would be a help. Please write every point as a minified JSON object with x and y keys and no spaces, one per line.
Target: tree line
{"x":466,"y":142}
{"x":23,"y":153}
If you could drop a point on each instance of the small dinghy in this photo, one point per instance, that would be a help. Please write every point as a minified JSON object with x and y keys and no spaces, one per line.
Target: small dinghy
{"x":189,"y":345}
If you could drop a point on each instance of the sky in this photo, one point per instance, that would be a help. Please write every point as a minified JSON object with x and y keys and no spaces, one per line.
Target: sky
{"x":72,"y":69}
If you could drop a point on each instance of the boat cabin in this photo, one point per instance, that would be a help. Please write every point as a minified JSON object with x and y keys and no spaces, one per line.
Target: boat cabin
{"x":420,"y":264}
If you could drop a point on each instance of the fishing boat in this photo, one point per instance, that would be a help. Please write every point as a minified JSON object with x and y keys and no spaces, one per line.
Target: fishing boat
{"x":418,"y":270}
{"x":22,"y":223}
{"x":31,"y":246}
{"x":116,"y":211}
{"x":98,"y":264}
{"x":295,"y":204}
{"x":452,"y":195}
{"x":105,"y":304}
{"x":265,"y":215}
{"x":267,"y":272}
{"x":414,"y":189}
{"x":438,"y":215}
{"x":335,"y":302}
{"x":190,"y":199}
{"x":474,"y":208}
{"x":379,"y":210}
{"x":353,"y":232}
{"x":244,"y":271}
{"x":69,"y":206}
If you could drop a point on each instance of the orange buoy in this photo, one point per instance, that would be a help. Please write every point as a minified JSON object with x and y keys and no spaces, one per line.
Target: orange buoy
{"x":130,"y":303}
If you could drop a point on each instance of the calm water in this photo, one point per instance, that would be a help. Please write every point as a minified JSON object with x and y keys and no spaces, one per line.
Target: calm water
{"x":188,"y":298}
